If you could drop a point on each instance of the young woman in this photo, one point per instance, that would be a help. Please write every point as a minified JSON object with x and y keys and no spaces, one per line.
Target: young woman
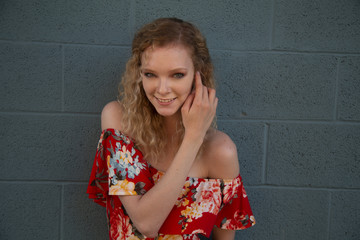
{"x":162,"y":169}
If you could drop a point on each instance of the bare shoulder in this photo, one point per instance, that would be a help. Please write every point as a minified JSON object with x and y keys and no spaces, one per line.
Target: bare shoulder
{"x":111,"y":116}
{"x":221,"y":157}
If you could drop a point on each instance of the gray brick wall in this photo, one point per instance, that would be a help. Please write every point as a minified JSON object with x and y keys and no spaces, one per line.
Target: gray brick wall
{"x":289,"y":89}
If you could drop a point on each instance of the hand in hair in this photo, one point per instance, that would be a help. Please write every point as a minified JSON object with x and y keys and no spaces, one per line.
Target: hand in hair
{"x":149,"y":211}
{"x":199,"y":109}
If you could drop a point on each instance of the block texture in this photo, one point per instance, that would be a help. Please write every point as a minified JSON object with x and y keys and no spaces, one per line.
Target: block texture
{"x":241,"y":24}
{"x":314,"y":155}
{"x":280,"y":213}
{"x":92,"y":75}
{"x":47,"y":147}
{"x":280,"y":86}
{"x":83,"y":219}
{"x":249,"y":139}
{"x":317,"y":25}
{"x":30,"y":77}
{"x":29,"y":211}
{"x":66,"y":21}
{"x":349,"y":89}
{"x":345,"y":203}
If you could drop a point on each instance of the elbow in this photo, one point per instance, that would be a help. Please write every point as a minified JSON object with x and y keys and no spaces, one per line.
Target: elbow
{"x":147,"y":229}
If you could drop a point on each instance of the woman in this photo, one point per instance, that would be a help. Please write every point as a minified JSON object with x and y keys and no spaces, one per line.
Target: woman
{"x":161,"y":169}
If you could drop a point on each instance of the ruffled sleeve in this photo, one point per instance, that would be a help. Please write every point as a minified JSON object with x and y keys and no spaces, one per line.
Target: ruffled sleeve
{"x":235,"y":212}
{"x":118,"y":169}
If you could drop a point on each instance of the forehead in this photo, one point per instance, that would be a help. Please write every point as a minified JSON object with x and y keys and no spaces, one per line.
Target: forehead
{"x":174,"y":54}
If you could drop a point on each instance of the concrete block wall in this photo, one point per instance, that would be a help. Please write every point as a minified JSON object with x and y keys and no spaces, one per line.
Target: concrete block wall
{"x":289,"y":88}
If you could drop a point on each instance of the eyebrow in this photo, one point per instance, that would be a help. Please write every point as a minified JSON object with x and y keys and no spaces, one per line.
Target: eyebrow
{"x":172,"y":70}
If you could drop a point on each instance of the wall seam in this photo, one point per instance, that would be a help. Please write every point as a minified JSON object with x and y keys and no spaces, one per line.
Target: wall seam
{"x":335,"y":113}
{"x":265,"y":153}
{"x":62,"y":78}
{"x":61,"y":228}
{"x":292,"y":121}
{"x":329,"y":215}
{"x":272,"y":25}
{"x":277,"y":51}
{"x":132,"y":18}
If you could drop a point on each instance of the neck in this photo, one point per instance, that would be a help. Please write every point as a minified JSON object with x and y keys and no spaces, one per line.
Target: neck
{"x":171,"y":125}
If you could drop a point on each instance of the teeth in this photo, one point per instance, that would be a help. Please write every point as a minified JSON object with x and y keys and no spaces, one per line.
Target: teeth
{"x":165,"y":100}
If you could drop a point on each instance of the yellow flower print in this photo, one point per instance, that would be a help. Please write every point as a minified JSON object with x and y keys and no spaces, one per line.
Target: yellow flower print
{"x":126,"y":155}
{"x":132,"y":237}
{"x":193,"y":211}
{"x":170,"y":237}
{"x":252,"y":219}
{"x":185,"y":202}
{"x":123,"y":188}
{"x":108,"y":161}
{"x":182,"y":201}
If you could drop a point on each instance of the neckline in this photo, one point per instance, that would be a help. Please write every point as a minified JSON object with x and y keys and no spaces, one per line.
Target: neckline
{"x":195,"y":178}
{"x":163,"y":172}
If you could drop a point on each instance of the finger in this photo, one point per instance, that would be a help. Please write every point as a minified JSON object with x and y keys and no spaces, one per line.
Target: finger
{"x":212,"y":94}
{"x":216,"y":103}
{"x":198,"y":86}
{"x":188,"y":102}
{"x":205,"y":94}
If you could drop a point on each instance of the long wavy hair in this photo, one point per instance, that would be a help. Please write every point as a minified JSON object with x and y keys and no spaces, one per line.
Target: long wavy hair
{"x":140,"y":119}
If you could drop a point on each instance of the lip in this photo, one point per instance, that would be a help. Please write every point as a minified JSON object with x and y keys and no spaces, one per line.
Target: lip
{"x":165,"y":101}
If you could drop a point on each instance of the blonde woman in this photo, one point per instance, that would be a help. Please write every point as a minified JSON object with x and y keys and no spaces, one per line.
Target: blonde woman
{"x":162,"y":169}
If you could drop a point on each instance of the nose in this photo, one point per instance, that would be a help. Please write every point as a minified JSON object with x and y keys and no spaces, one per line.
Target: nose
{"x":163,"y":86}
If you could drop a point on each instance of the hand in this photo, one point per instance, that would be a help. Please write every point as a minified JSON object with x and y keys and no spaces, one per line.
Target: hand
{"x":199,"y":109}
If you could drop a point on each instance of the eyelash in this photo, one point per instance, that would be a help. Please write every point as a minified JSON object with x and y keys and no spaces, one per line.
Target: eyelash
{"x":149,"y":75}
{"x":176,"y":75}
{"x":179,"y":75}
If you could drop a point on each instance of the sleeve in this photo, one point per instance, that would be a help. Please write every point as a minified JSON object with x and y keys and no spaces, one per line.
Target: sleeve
{"x":235,"y":211}
{"x":118,"y":169}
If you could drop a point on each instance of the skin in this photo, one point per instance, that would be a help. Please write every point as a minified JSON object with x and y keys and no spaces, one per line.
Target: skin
{"x":168,"y":76}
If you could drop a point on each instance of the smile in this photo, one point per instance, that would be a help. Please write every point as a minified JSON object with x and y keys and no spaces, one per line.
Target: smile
{"x":165,"y":100}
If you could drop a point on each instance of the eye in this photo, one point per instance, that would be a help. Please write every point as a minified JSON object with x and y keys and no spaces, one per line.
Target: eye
{"x":179,"y":75}
{"x":149,"y":75}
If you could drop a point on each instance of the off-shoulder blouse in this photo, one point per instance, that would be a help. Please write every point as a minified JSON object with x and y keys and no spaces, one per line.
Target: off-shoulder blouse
{"x":120,"y":169}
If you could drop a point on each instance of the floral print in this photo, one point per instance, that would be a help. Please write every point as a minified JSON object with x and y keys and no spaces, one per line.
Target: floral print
{"x":119,"y":169}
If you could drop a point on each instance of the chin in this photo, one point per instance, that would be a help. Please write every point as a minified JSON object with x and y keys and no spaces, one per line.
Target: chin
{"x":166,"y":112}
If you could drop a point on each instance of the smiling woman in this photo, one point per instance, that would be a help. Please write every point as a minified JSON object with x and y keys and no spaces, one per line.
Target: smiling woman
{"x":167,"y":77}
{"x":162,"y":169}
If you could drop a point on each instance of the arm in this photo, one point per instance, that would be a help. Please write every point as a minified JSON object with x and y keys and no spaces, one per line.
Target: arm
{"x":222,"y":234}
{"x":223,"y":163}
{"x":149,"y":211}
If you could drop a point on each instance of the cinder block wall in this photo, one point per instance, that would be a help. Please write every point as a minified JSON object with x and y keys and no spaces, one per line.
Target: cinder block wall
{"x":289,"y":89}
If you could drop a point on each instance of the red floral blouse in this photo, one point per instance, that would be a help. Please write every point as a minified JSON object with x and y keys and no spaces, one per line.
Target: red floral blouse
{"x":119,"y":169}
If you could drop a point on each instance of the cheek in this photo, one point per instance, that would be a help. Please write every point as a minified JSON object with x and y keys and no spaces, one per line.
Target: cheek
{"x":146,"y":86}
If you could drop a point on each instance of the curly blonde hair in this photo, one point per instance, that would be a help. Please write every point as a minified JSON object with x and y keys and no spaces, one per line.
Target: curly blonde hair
{"x":140,"y":119}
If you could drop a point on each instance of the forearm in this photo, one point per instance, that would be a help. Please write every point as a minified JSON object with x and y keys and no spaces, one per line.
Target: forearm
{"x":149,"y":211}
{"x":222,"y":234}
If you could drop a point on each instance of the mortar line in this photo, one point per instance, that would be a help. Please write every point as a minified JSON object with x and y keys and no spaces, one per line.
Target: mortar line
{"x":74,"y":44}
{"x":329,"y":215}
{"x":272,"y":25}
{"x":132,"y":18}
{"x":51,"y":182}
{"x":127,"y":46}
{"x":301,"y":188}
{"x":26,"y":113}
{"x":61,"y":228}
{"x":305,"y":121}
{"x":335,"y":114}
{"x":62,"y":78}
{"x":254,"y":186}
{"x":265,"y":153}
{"x":280,"y":51}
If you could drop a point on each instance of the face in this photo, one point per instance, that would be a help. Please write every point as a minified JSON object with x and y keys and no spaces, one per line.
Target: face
{"x":167,"y":77}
